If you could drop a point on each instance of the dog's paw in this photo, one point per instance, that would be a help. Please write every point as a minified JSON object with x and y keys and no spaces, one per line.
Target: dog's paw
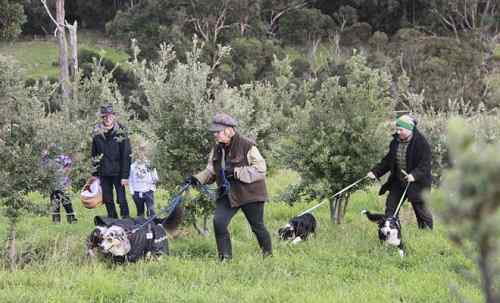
{"x":364,"y":211}
{"x":401,"y":253}
{"x":297,"y":240}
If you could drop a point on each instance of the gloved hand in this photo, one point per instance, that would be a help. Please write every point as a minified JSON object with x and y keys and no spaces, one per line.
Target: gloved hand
{"x":191,"y":180}
{"x":410,"y":178}
{"x":371,"y":175}
{"x":229,"y":172}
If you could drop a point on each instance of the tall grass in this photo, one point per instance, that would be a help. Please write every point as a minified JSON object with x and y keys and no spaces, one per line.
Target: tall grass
{"x":342,"y":263}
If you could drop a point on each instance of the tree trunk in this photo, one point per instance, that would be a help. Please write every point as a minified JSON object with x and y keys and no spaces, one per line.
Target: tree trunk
{"x":73,"y":44}
{"x":11,"y":246}
{"x":63,"y":51}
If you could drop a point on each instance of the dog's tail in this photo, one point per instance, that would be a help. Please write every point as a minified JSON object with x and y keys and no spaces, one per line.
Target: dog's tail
{"x":372,"y":217}
{"x":174,"y":220}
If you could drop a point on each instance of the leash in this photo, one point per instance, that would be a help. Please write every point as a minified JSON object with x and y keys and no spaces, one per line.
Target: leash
{"x":401,"y":201}
{"x":168,"y":210}
{"x":402,"y":196}
{"x":335,"y":195}
{"x":175,"y":202}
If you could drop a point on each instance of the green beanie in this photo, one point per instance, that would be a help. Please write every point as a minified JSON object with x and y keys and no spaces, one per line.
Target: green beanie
{"x":405,"y":121}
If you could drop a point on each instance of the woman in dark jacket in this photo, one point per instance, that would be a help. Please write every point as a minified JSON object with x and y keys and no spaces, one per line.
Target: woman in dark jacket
{"x":409,"y":161}
{"x":111,"y":153}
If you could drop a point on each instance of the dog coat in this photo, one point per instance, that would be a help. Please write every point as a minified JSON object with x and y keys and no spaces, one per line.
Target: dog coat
{"x":149,"y":239}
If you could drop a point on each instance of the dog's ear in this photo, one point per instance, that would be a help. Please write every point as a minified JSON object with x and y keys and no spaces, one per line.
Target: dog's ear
{"x":374,"y":217}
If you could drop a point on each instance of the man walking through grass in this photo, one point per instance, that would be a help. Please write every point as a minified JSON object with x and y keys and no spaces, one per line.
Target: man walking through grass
{"x":239,"y":170}
{"x":409,"y":161}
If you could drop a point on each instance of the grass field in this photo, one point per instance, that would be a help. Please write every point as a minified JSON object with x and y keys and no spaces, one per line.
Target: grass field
{"x":343,"y":263}
{"x":39,"y":57}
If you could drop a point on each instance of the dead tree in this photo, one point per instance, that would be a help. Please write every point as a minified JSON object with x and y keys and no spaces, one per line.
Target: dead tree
{"x":60,"y":32}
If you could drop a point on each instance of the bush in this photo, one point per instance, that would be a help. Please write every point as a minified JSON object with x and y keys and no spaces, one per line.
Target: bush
{"x":433,"y":123}
{"x":182,"y":99}
{"x":11,"y":19}
{"x":337,"y":136}
{"x":471,"y":202}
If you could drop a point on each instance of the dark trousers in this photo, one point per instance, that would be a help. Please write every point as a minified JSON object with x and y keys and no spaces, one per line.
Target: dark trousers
{"x":107,"y":184}
{"x":422,"y":212}
{"x":58,"y":197}
{"x":146,"y":198}
{"x":254,"y":213}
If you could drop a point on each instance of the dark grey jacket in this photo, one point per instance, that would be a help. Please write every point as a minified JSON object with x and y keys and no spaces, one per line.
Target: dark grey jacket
{"x":418,"y":163}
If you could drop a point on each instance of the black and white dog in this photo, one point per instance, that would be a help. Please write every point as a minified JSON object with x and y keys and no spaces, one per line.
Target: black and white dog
{"x":299,"y":228}
{"x":389,"y":230}
{"x":127,"y":240}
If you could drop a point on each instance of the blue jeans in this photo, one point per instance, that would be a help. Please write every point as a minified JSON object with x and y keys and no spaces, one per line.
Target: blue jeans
{"x":144,"y":198}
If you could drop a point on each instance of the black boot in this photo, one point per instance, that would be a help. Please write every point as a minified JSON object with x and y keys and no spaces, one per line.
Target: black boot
{"x":56,"y":218}
{"x":71,"y":218}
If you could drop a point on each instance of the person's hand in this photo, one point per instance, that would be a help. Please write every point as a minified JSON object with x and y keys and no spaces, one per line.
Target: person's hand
{"x":229,"y":172}
{"x":191,"y":180}
{"x":410,"y":178}
{"x":371,"y":175}
{"x":124,"y":182}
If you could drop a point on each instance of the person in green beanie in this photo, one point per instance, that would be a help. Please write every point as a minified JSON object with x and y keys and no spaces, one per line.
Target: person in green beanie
{"x":408,"y":161}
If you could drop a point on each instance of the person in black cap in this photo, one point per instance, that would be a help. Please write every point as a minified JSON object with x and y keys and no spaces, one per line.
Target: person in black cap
{"x":111,"y":154}
{"x":239,"y":170}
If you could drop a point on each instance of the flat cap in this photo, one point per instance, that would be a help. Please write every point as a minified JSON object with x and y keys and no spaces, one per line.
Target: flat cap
{"x":107,"y":110}
{"x":222,"y":121}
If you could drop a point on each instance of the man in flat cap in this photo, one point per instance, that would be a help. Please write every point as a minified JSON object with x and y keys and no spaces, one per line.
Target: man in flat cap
{"x":111,"y":152}
{"x":239,"y":170}
{"x":409,"y":161}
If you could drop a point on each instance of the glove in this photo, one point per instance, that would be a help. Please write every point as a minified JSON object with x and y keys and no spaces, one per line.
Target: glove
{"x":371,"y":175}
{"x":410,"y":178}
{"x":191,"y":180}
{"x":229,"y":173}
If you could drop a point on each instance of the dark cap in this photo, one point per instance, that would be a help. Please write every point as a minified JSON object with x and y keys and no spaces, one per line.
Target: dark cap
{"x":222,"y":121}
{"x":107,"y":110}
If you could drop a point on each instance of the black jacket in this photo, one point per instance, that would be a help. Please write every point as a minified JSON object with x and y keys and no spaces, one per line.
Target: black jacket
{"x":114,"y":146}
{"x":418,"y":164}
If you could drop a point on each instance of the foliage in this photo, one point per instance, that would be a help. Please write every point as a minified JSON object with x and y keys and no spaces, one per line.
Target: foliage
{"x":472,"y":202}
{"x":337,"y":134}
{"x":440,"y":67}
{"x":433,"y":123}
{"x":305,"y":26}
{"x":11,"y":19}
{"x":151,"y":23}
{"x":182,"y":99}
{"x":250,"y":60}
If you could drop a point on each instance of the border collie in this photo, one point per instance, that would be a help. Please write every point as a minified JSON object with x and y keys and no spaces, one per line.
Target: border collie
{"x":299,"y":228}
{"x":389,"y":230}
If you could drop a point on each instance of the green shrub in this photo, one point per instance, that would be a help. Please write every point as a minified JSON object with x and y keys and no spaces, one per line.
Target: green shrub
{"x":12,"y":17}
{"x":471,"y":202}
{"x":337,"y":136}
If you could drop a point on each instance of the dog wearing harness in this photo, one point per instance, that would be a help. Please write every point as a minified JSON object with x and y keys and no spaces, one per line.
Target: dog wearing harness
{"x":128,"y":240}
